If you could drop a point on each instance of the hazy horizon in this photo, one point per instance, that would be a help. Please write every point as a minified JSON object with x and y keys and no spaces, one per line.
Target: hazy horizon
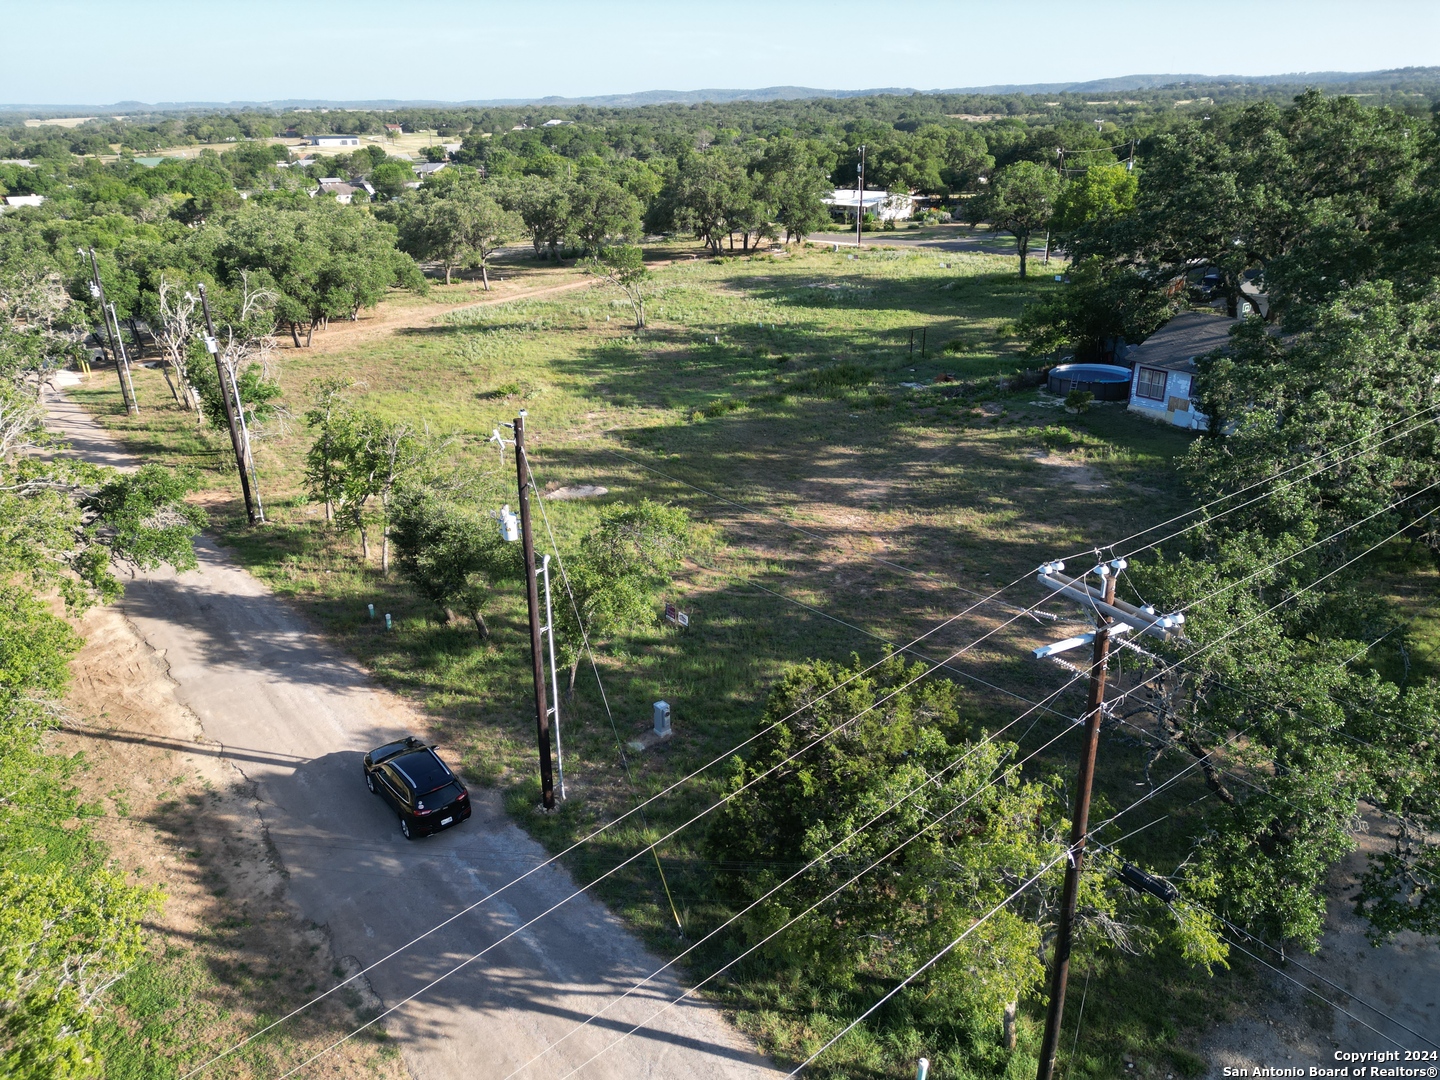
{"x":452,"y":51}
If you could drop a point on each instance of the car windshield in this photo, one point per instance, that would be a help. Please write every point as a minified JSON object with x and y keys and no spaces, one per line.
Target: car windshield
{"x":422,"y":770}
{"x":380,"y":753}
{"x":441,"y":797}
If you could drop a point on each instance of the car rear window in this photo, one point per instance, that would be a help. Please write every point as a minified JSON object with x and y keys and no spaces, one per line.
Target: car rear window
{"x":423,"y":771}
{"x":436,"y":799}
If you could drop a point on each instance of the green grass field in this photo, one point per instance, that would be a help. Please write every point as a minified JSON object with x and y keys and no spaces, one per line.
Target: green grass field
{"x":839,"y":509}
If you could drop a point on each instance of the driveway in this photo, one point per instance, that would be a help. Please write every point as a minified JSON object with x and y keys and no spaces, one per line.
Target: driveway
{"x":295,"y":715}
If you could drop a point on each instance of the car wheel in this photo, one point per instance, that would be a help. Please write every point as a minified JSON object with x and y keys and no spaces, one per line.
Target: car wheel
{"x":405,"y":830}
{"x":370,"y":783}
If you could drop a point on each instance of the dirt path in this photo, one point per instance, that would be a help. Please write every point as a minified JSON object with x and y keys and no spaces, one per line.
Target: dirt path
{"x":294,"y":716}
{"x":388,"y":317}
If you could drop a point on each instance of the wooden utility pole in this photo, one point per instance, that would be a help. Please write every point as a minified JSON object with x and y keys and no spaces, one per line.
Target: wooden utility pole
{"x":1079,"y":827}
{"x":98,"y":290}
{"x":532,"y":597}
{"x":221,"y":378}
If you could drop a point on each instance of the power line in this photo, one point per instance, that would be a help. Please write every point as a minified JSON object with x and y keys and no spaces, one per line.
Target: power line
{"x":1283,"y":472}
{"x":667,"y":790}
{"x":1288,"y":959}
{"x":1151,"y":794}
{"x":948,"y":948}
{"x":626,"y":862}
{"x":823,"y":857}
{"x":615,"y":821}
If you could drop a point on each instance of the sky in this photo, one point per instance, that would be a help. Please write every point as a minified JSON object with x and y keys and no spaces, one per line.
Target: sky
{"x":105,"y":51}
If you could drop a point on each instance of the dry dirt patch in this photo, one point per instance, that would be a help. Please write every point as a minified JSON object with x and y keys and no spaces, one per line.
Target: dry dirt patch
{"x":1068,"y":471}
{"x":1296,"y":1029}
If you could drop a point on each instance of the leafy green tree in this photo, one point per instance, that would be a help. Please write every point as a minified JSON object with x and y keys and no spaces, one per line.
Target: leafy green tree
{"x":544,"y":209}
{"x":322,"y":262}
{"x":795,"y":186}
{"x":69,"y":924}
{"x":1321,"y":733}
{"x":1275,"y":193}
{"x":602,"y":211}
{"x":390,"y":177}
{"x":623,"y":268}
{"x":459,"y":224}
{"x":700,"y":198}
{"x":1095,"y":309}
{"x":1019,"y":200}
{"x":614,"y":575}
{"x":898,"y":769}
{"x":451,"y":554}
{"x":1097,"y":197}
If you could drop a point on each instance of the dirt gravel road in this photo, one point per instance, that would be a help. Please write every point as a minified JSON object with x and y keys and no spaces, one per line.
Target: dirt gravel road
{"x":295,"y":716}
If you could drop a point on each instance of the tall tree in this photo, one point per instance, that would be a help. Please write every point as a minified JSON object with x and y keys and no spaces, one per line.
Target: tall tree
{"x":705,"y":190}
{"x":613,"y":576}
{"x":1019,"y":200}
{"x":458,"y":224}
{"x":602,"y":211}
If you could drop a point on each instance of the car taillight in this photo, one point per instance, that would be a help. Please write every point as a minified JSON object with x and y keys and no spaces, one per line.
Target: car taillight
{"x":462,"y":796}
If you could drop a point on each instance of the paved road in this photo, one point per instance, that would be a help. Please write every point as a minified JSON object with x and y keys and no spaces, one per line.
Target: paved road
{"x":296,"y":716}
{"x":961,"y":240}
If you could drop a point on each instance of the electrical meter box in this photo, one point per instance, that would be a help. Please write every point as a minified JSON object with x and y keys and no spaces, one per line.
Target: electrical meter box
{"x":662,"y":718}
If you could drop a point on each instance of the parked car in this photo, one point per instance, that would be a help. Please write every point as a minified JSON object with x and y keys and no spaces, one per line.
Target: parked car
{"x":409,"y":775}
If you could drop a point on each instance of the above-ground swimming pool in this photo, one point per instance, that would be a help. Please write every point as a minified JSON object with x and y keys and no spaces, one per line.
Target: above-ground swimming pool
{"x":1108,"y":382}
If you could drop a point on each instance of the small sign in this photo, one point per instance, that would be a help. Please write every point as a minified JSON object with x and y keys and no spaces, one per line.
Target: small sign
{"x":671,"y":614}
{"x":683,"y":619}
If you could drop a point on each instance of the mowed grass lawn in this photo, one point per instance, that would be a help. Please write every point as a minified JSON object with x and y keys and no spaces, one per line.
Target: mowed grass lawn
{"x":838,"y":508}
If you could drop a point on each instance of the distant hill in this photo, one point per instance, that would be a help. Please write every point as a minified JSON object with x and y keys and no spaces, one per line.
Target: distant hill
{"x":1392,"y":79}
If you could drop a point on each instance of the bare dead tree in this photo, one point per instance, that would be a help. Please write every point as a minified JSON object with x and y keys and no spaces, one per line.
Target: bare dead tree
{"x":176,"y":331}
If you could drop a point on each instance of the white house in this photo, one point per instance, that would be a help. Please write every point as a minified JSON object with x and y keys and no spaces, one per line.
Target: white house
{"x":343,"y":190}
{"x":1163,"y":377}
{"x":428,"y":168}
{"x":883,"y":204}
{"x":24,"y":200}
{"x":334,"y":140}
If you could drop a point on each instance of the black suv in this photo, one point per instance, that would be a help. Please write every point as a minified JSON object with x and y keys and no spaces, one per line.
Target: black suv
{"x":422,"y":789}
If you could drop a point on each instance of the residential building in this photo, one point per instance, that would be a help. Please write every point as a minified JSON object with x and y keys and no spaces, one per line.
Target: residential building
{"x":334,"y":140}
{"x":428,"y":168}
{"x":343,"y":190}
{"x":24,"y":200}
{"x":883,"y":204}
{"x":1162,"y":381}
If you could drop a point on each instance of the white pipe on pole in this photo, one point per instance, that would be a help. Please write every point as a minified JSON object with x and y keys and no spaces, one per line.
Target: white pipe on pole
{"x":549,"y":631}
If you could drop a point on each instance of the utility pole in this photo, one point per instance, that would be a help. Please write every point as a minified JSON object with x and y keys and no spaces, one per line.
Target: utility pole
{"x":97,"y":290}
{"x":259,"y":518}
{"x":1107,"y":612}
{"x":126,"y":382}
{"x":221,"y":378}
{"x":532,"y":597}
{"x":859,"y":196}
